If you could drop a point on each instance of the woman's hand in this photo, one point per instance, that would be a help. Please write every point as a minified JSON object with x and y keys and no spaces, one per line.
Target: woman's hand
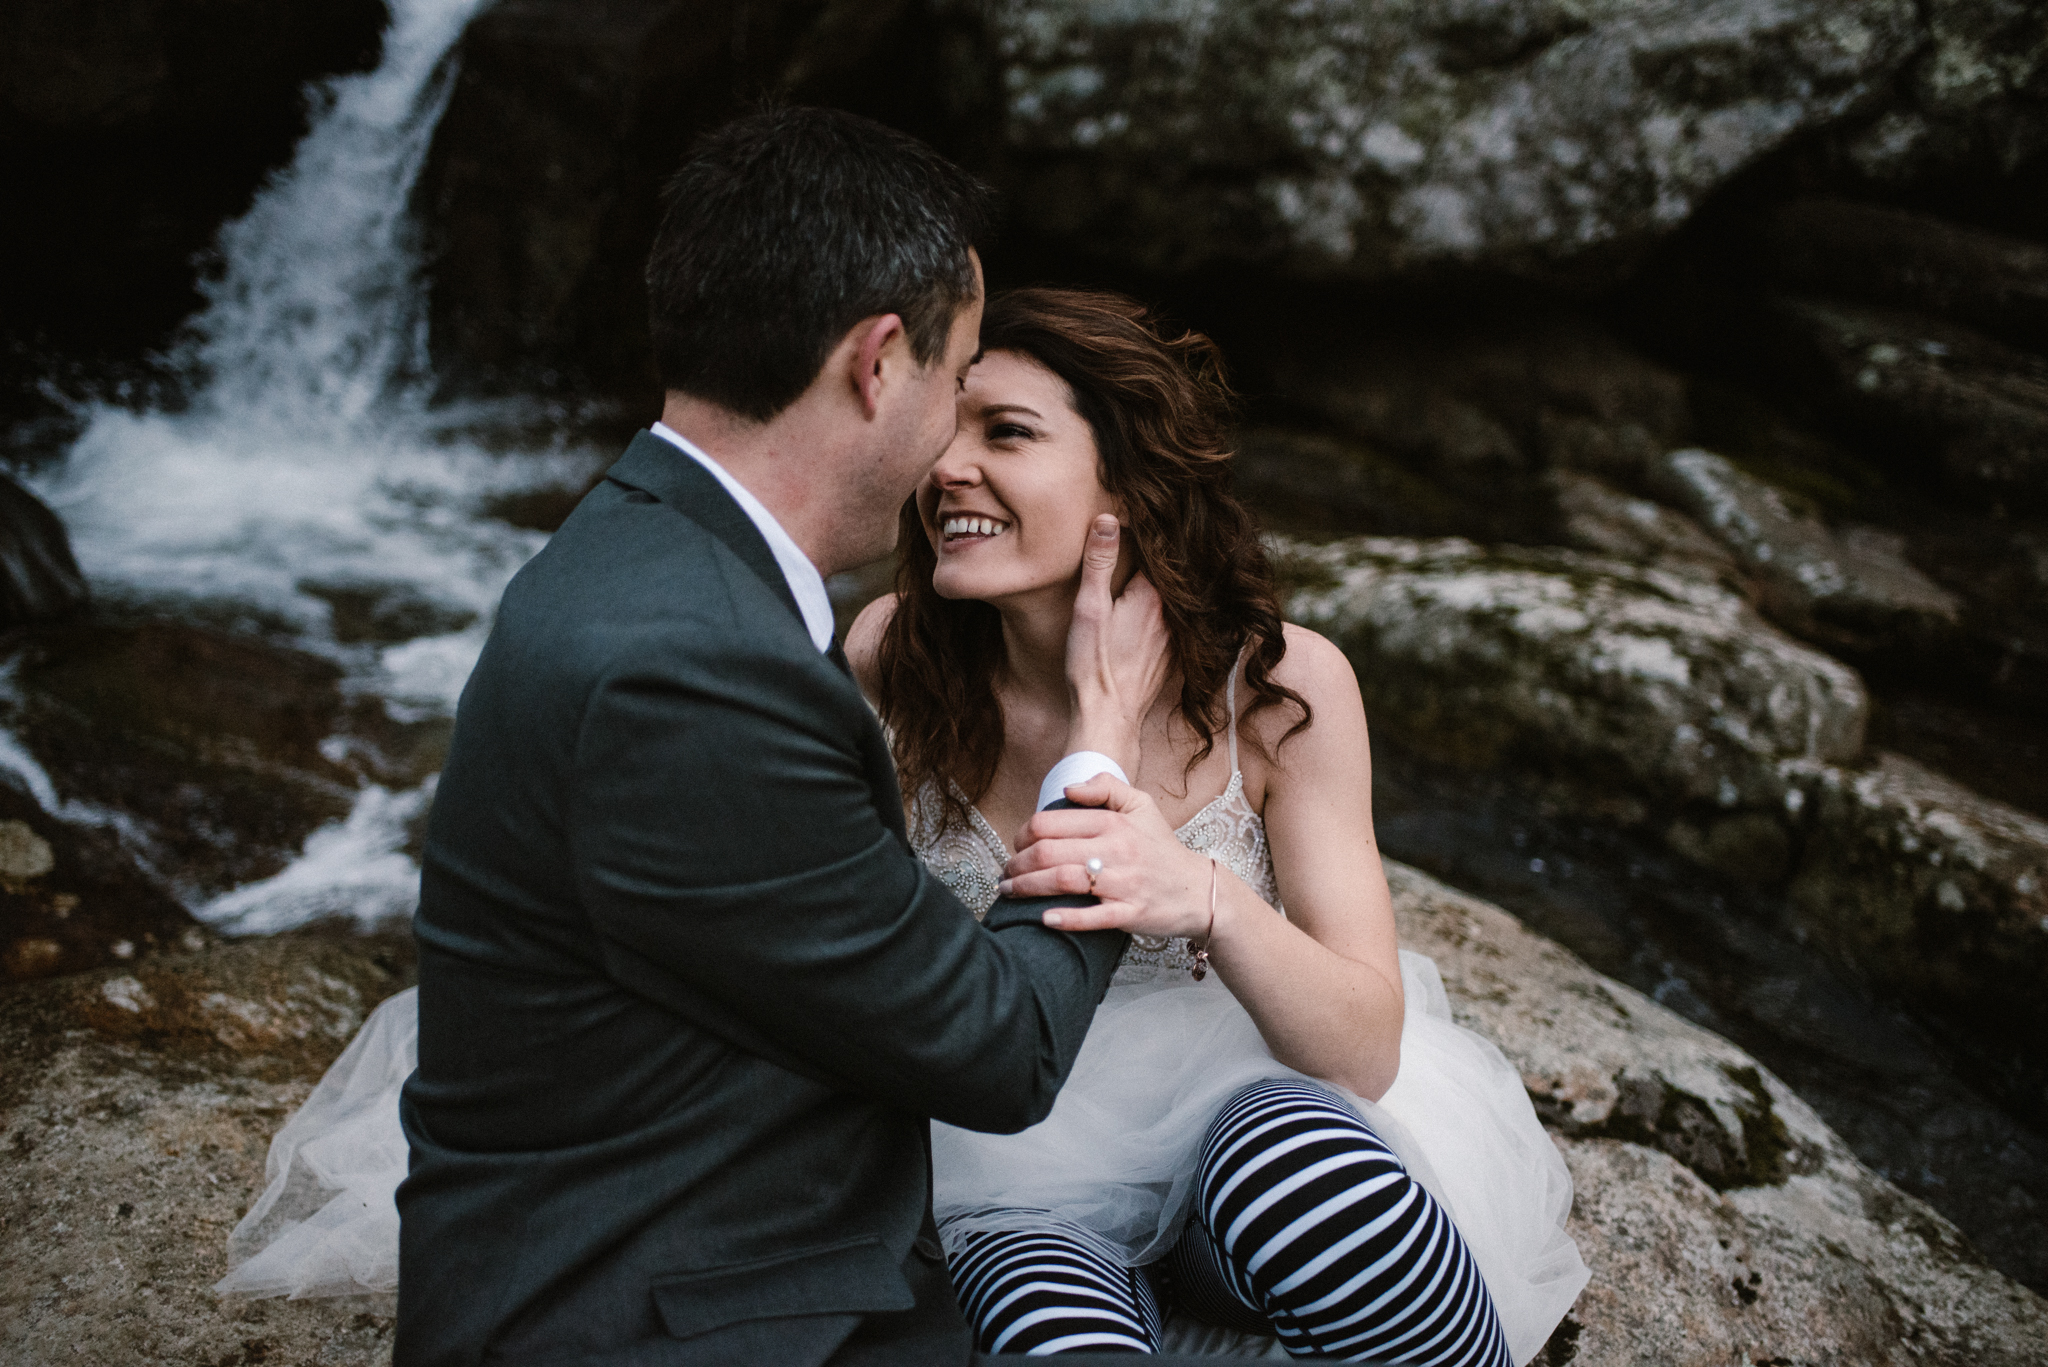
{"x":1149,"y":884}
{"x":1118,"y":652}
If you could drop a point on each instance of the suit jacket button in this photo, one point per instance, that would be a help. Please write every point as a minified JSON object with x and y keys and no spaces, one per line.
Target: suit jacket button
{"x":930,"y":1247}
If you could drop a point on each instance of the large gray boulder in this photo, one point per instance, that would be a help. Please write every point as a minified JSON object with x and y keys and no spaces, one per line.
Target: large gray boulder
{"x":1670,"y":686}
{"x":1341,"y":138}
{"x":1973,"y":408}
{"x":1664,"y":701}
{"x":1722,"y":1219}
{"x":1922,"y":884}
{"x":1852,"y":589}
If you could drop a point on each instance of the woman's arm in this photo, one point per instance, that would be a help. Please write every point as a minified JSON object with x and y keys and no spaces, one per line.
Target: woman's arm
{"x":1324,"y":983}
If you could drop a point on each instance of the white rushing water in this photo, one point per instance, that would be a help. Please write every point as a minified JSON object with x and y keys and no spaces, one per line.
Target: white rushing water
{"x":309,"y":456}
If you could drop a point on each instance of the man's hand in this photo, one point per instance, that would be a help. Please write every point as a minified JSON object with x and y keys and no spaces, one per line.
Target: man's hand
{"x":1117,"y":653}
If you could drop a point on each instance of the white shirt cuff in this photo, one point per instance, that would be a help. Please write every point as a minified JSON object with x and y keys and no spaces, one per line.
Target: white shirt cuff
{"x":1078,"y":767}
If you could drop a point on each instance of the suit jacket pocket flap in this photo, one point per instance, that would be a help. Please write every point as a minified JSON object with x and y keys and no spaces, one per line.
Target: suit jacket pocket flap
{"x":856,"y":1276}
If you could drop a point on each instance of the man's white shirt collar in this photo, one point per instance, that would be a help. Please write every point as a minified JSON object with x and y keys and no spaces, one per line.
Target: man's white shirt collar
{"x":804,"y":580}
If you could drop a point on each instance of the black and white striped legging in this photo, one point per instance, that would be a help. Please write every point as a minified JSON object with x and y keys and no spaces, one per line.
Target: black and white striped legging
{"x":1305,"y":1226}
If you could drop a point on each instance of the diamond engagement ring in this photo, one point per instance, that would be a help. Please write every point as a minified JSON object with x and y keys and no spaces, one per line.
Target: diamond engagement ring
{"x":1094,"y":866}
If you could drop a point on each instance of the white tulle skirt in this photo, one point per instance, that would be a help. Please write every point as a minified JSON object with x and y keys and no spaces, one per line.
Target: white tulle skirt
{"x":327,"y":1222}
{"x":1117,"y":1155}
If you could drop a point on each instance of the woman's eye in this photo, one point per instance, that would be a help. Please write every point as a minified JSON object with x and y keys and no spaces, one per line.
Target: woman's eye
{"x":1008,"y":431}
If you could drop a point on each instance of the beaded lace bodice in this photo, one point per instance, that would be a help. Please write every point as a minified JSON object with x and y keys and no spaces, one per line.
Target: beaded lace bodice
{"x":969,"y":857}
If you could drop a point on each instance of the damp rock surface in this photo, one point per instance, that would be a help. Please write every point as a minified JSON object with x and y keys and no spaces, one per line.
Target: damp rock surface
{"x":1918,"y":882}
{"x":1722,"y":1220}
{"x":1717,"y":1212}
{"x":1854,"y":589}
{"x":1596,"y":516}
{"x":135,"y":1112}
{"x":1916,"y":384}
{"x":212,"y":755}
{"x":1352,"y":140}
{"x":1553,"y":657}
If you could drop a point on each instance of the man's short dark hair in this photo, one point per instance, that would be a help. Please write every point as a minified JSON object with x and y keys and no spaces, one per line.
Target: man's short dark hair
{"x":785,"y":228}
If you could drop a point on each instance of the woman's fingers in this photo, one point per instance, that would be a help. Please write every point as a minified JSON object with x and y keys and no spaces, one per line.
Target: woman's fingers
{"x":1051,"y":854}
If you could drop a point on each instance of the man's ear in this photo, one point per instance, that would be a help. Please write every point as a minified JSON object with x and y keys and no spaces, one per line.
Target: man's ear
{"x":874,"y":337}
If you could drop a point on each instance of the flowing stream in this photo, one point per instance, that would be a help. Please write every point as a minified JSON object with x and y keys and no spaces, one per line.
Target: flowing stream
{"x":308,"y":460}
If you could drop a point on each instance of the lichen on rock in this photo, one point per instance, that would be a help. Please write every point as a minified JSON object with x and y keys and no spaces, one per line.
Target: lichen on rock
{"x":1349,"y":139}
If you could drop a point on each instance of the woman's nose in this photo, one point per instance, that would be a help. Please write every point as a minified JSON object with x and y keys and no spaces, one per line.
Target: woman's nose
{"x":956,"y":469}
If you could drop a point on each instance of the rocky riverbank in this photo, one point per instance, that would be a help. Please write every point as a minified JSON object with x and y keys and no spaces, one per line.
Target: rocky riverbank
{"x":1722,"y":1220}
{"x":1654,"y":402}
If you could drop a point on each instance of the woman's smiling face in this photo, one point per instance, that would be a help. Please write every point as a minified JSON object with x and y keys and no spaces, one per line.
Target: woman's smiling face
{"x":1008,"y":507}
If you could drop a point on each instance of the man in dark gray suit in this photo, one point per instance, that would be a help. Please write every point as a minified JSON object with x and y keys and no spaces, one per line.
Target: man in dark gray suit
{"x":687,"y":1000}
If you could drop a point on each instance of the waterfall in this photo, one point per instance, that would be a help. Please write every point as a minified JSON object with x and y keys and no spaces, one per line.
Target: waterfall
{"x":307,"y":458}
{"x":317,"y":315}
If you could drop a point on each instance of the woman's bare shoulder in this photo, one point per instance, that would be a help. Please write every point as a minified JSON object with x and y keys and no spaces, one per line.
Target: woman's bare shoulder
{"x":864,"y":640}
{"x":1319,"y":672}
{"x":1315,"y":668}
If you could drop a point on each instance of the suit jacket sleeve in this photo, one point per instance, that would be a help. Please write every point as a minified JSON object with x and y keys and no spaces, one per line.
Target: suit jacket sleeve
{"x":730,"y":855}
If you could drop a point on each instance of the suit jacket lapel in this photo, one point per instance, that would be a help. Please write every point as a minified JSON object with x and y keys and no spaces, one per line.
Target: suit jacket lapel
{"x":657,"y":467}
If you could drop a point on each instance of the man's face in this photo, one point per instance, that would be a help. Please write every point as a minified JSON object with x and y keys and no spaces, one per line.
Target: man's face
{"x":918,"y":426}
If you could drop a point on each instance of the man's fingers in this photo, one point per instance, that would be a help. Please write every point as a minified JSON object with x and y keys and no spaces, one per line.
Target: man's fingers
{"x":1066,"y":823}
{"x":1105,"y":791}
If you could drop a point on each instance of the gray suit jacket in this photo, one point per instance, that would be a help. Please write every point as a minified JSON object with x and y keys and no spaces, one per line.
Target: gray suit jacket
{"x":687,"y":999}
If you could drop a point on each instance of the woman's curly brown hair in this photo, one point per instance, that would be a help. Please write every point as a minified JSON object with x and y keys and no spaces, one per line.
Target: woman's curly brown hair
{"x":1160,"y":408}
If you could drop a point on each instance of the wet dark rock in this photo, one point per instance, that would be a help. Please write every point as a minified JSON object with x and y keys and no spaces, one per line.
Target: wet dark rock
{"x":72,"y":898}
{"x":1595,"y":516}
{"x":1530,"y":137}
{"x":1998,"y":750}
{"x":1953,"y":1118}
{"x":135,"y":1112}
{"x":130,"y":131}
{"x":1932,"y":889}
{"x":215,"y":754}
{"x":384,"y":613}
{"x":1722,"y":1220}
{"x":1315,"y":484}
{"x":39,"y":577}
{"x":1484,"y":411}
{"x":541,"y":193}
{"x":1974,"y":410}
{"x":1852,"y":590}
{"x":1897,"y":259}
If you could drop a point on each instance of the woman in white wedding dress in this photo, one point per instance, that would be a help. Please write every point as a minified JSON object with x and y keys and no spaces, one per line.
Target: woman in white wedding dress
{"x":1274,"y":1120}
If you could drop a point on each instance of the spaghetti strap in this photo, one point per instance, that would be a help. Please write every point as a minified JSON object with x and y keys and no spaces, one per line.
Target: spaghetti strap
{"x":1230,"y":704}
